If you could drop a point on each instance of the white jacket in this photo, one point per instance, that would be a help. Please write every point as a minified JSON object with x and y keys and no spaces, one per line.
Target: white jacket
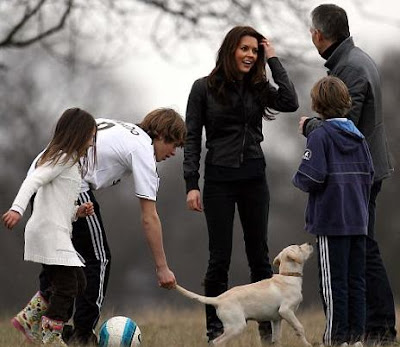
{"x":48,"y":231}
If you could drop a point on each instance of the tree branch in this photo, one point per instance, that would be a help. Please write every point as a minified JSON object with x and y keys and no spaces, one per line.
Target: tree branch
{"x":9,"y":41}
{"x":161,"y":5}
{"x":28,"y":15}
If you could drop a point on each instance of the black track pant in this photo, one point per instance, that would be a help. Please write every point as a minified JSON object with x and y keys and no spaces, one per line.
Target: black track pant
{"x":89,"y":239}
{"x":341,"y":263}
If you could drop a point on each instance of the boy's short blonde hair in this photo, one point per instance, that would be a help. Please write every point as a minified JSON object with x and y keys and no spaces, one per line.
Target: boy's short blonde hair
{"x":167,"y":124}
{"x":330,"y":98}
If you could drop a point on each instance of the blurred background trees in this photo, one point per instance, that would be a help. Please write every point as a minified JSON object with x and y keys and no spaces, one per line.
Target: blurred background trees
{"x":111,"y":58}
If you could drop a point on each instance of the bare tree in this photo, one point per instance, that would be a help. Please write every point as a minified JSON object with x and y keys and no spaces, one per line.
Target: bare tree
{"x":66,"y":28}
{"x":19,"y":33}
{"x":70,"y":29}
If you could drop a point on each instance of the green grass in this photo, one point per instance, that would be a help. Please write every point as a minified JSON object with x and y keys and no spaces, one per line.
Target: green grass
{"x":173,"y":327}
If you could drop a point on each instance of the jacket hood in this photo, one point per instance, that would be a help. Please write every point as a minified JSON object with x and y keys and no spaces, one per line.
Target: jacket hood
{"x":343,"y":133}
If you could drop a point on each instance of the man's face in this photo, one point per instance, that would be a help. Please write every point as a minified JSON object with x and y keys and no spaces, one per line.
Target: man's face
{"x":320,"y":43}
{"x":163,"y":150}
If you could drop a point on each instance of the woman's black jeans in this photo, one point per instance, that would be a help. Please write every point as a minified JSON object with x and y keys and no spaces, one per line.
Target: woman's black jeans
{"x":220,"y":200}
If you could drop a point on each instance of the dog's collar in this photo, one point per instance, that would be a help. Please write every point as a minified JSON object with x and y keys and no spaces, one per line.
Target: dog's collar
{"x":294,"y":274}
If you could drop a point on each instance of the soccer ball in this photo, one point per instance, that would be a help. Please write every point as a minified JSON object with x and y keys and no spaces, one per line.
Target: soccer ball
{"x":119,"y":332}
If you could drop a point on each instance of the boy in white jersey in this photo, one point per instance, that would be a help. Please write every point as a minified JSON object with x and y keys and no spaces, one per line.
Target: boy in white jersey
{"x":122,"y":149}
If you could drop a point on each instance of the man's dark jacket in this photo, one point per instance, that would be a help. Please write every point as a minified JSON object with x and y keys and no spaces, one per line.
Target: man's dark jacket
{"x":360,"y":74}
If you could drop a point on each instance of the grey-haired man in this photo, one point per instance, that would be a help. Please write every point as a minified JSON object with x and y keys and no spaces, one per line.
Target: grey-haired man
{"x":331,"y":36}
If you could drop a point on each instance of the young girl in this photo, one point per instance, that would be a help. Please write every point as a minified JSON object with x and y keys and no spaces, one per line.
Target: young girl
{"x":230,"y":103}
{"x":56,"y":182}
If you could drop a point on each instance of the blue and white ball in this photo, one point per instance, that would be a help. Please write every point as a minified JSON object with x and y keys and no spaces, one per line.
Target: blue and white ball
{"x":119,"y":332}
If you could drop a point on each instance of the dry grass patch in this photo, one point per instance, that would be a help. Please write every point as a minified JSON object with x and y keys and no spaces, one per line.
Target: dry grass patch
{"x":177,"y":327}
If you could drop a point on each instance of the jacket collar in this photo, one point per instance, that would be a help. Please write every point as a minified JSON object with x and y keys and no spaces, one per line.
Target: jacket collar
{"x":337,"y":54}
{"x":328,"y":52}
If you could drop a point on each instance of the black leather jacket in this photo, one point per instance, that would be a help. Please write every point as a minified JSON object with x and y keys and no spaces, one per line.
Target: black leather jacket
{"x":233,"y":129}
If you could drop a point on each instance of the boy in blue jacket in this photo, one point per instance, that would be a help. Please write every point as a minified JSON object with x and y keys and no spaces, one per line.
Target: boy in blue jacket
{"x":337,"y":172}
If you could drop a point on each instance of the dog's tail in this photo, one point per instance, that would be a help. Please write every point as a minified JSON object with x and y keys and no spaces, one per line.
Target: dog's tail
{"x":203,"y":299}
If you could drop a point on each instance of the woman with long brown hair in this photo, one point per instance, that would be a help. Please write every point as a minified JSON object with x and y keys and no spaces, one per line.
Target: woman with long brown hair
{"x":230,"y":104}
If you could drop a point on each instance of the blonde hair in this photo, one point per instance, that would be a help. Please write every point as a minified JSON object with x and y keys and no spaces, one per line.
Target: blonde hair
{"x":330,"y":98}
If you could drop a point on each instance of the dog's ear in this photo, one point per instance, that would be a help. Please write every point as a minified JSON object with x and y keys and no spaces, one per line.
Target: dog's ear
{"x":277,"y":260}
{"x":294,"y":256}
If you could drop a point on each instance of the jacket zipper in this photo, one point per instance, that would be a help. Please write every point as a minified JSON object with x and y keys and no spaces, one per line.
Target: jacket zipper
{"x":243,"y":142}
{"x":241,"y":157}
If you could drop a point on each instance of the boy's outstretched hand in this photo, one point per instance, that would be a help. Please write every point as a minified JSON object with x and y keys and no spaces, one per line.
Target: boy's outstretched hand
{"x":84,"y":210}
{"x":166,"y":278}
{"x":11,"y":218}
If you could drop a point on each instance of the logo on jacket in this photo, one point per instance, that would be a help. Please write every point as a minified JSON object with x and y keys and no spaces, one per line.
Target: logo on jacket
{"x":307,"y":154}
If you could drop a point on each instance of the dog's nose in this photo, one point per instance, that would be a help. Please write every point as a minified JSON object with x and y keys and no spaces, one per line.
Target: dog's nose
{"x":309,"y":243}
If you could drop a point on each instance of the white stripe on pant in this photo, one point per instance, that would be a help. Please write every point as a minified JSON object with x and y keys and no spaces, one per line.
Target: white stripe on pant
{"x":326,"y":287}
{"x":99,"y":250}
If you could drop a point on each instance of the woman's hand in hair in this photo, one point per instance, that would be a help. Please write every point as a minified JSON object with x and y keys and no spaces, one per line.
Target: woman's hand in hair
{"x":84,"y":210}
{"x":269,"y":49}
{"x":193,"y":200}
{"x":11,"y":218}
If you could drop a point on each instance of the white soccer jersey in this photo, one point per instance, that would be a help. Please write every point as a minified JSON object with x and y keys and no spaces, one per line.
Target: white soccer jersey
{"x":123,"y":148}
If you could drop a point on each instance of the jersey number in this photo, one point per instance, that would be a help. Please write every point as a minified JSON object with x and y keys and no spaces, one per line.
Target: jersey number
{"x":107,"y":125}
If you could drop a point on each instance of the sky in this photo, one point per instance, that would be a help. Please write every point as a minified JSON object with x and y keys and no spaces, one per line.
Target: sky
{"x":168,"y":83}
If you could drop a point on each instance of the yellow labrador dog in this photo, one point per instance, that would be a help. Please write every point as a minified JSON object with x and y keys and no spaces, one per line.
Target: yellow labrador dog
{"x":271,"y":299}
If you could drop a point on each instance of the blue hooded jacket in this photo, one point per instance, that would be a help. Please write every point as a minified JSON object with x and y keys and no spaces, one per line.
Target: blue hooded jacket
{"x":337,"y":172}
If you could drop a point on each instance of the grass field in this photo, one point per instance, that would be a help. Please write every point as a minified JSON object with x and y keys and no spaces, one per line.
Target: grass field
{"x":186,"y":328}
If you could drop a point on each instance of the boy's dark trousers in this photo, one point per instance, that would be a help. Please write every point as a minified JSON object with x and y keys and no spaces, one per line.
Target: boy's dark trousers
{"x":67,"y":282}
{"x":341,"y":264}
